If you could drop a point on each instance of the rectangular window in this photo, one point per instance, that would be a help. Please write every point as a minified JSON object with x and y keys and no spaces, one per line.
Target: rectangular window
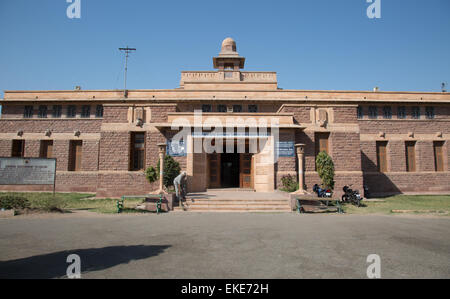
{"x":206,"y":108}
{"x":18,"y":149}
{"x":415,"y":112}
{"x":429,"y":112}
{"x":71,"y":111}
{"x":401,"y":112}
{"x":42,"y":112}
{"x":57,"y":110}
{"x":28,"y":112}
{"x":222,"y":108}
{"x":360,"y":112}
{"x":75,"y":155}
{"x":46,"y":149}
{"x":86,"y":111}
{"x":439,"y":155}
{"x":137,"y":151}
{"x":387,"y":112}
{"x":373,"y":112}
{"x":99,"y":111}
{"x":382,"y":156}
{"x":253,"y":108}
{"x":322,"y":142}
{"x":411,"y":156}
{"x":237,"y":108}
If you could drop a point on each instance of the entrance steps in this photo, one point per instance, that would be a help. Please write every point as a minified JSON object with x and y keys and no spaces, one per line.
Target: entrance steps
{"x":231,"y":190}
{"x":236,"y":202}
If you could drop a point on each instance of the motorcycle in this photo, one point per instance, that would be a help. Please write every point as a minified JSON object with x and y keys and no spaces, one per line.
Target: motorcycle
{"x":322,"y":193}
{"x":366,"y":192}
{"x":351,"y":196}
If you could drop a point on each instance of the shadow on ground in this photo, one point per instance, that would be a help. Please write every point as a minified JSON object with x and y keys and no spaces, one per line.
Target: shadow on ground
{"x":54,"y":265}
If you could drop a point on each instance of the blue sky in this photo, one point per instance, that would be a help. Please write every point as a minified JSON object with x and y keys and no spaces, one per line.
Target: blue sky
{"x":312,"y":44}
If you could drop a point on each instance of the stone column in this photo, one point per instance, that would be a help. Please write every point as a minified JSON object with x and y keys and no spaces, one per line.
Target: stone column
{"x":300,"y":149}
{"x":162,"y":153}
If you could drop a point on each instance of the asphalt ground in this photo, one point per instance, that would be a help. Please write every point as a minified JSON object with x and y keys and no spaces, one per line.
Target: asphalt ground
{"x":224,"y":245}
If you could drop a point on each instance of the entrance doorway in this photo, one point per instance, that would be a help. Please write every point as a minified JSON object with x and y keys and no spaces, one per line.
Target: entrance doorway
{"x":230,"y":170}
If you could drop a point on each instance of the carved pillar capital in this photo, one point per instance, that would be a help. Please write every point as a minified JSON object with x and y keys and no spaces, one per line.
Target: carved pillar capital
{"x":300,"y":148}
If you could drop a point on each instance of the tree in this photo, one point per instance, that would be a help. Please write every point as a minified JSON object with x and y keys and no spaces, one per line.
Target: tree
{"x":171,"y":170}
{"x":325,"y":169}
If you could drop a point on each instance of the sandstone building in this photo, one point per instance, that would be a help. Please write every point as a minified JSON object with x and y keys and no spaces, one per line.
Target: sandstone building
{"x":103,"y":139}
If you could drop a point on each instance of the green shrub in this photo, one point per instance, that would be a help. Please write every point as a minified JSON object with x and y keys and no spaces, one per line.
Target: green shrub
{"x":290,"y":184}
{"x":325,"y":169}
{"x":171,"y":170}
{"x":51,"y":204}
{"x":12,"y":202}
{"x":151,"y":174}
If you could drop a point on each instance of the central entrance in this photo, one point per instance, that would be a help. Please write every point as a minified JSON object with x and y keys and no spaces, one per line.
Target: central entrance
{"x":230,"y":170}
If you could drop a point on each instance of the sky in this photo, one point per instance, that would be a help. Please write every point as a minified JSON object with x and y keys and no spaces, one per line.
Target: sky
{"x":311,"y":44}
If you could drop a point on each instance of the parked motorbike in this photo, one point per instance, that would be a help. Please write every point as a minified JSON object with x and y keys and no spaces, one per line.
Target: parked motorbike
{"x":351,"y":196}
{"x":322,"y":193}
{"x":366,"y":192}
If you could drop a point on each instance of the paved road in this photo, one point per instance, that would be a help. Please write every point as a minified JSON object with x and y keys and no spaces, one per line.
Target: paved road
{"x":185,"y":245}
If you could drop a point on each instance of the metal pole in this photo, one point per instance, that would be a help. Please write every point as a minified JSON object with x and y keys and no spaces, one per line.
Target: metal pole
{"x":126,"y":70}
{"x":127,"y":51}
{"x":54,"y":182}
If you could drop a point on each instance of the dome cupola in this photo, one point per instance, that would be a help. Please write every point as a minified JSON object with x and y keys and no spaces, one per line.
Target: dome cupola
{"x":229,"y":58}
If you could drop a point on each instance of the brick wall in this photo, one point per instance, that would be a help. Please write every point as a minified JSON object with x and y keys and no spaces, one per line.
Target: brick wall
{"x":425,"y":156}
{"x":368,"y":156}
{"x":345,"y":151}
{"x":32,"y":148}
{"x":345,"y":114}
{"x":56,"y":126}
{"x":112,"y":114}
{"x":381,"y":183}
{"x":285,"y":165}
{"x":159,"y":114}
{"x":114,"y":151}
{"x":119,"y":184}
{"x":397,"y":180}
{"x":65,"y":182}
{"x":61,"y":153}
{"x":302,"y":114}
{"x":403,"y":127}
{"x":396,"y":156}
{"x":90,"y":155}
{"x":5,"y":148}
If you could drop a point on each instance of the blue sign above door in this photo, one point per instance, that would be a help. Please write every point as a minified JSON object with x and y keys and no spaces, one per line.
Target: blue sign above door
{"x":176,"y":148}
{"x":285,"y":148}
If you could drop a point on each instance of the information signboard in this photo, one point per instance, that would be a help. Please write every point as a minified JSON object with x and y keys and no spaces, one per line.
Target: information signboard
{"x":23,"y":171}
{"x":176,"y":149}
{"x":286,"y":149}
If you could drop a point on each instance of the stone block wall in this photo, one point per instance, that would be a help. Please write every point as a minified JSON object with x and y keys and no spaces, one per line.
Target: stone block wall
{"x":114,"y":151}
{"x":115,"y":114}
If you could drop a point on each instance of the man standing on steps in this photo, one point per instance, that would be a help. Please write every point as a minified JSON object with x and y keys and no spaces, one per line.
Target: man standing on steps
{"x":180,"y":183}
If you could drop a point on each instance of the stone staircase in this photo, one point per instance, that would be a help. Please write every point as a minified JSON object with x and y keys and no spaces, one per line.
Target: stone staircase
{"x":236,"y":201}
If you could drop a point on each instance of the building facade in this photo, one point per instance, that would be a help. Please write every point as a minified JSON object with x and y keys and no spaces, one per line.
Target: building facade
{"x":103,"y":140}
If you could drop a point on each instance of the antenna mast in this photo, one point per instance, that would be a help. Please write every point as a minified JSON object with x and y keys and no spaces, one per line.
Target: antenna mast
{"x":127,"y":51}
